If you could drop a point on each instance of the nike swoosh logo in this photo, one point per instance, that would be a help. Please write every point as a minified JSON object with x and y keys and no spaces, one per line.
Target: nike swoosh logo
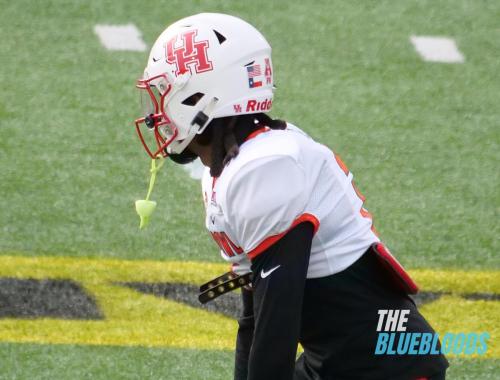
{"x":156,"y":60}
{"x":264,"y":274}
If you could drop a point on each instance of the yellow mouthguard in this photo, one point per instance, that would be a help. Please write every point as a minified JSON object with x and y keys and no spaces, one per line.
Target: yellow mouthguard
{"x":145,"y":207}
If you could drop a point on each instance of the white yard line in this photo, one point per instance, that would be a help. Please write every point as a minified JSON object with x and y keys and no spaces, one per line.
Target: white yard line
{"x":120,"y":37}
{"x":437,"y":49}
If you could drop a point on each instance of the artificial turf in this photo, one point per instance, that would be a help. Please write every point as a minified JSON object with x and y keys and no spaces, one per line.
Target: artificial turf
{"x":44,"y":362}
{"x":421,"y":138}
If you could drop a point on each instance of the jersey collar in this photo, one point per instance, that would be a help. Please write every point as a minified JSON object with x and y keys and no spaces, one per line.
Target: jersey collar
{"x":257,"y":132}
{"x":249,"y":137}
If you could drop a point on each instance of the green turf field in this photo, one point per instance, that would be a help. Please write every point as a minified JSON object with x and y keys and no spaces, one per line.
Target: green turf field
{"x":84,"y":362}
{"x":421,"y":138}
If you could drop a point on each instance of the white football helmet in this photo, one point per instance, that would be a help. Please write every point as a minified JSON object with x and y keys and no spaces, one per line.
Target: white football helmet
{"x":202,"y":67}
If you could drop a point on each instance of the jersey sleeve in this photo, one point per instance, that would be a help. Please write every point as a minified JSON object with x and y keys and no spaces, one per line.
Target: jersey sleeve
{"x":265,"y":199}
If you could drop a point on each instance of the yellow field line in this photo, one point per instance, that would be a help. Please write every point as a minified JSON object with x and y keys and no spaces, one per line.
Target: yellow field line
{"x":132,"y":318}
{"x":136,"y":319}
{"x":458,"y":281}
{"x":454,"y":281}
{"x":90,"y":270}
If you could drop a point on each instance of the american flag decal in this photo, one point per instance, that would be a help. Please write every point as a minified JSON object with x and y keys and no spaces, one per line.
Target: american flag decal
{"x":253,"y":72}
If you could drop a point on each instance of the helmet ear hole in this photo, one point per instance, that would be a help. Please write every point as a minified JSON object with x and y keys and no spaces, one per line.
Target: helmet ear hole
{"x":220,"y":37}
{"x":193,"y":100}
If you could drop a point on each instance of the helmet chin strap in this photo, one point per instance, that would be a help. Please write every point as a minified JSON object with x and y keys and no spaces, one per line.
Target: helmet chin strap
{"x":198,"y":124}
{"x":183,"y":158}
{"x":145,"y":207}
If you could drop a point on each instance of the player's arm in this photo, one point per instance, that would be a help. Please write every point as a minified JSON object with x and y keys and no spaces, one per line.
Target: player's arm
{"x":279,"y":279}
{"x":268,"y":350}
{"x":245,"y":335}
{"x":267,"y":212}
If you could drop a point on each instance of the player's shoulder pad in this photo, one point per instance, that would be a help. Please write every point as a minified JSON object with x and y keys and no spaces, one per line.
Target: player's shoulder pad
{"x":265,"y":146}
{"x":264,"y":198}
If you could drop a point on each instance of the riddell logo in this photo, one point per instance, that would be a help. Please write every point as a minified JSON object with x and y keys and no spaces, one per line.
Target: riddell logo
{"x":254,"y":105}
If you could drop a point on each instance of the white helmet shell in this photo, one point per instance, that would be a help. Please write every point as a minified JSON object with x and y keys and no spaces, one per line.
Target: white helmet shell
{"x":207,"y":66}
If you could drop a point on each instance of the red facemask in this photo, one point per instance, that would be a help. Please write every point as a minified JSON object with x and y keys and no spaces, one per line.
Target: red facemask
{"x":155,"y":121}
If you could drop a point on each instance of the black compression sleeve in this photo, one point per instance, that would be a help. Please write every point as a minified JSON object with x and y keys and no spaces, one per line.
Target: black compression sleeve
{"x":279,"y":276}
{"x":244,"y":338}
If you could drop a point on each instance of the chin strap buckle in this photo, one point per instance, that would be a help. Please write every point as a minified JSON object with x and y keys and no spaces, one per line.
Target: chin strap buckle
{"x":200,"y":119}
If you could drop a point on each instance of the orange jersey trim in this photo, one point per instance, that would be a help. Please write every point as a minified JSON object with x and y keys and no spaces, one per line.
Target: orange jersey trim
{"x":249,"y":137}
{"x":275,"y":238}
{"x":257,"y":132}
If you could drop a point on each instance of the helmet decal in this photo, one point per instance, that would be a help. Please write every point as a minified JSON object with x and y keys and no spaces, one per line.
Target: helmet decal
{"x":200,"y":68}
{"x":190,"y":53}
{"x":268,"y":72}
{"x":254,"y":73}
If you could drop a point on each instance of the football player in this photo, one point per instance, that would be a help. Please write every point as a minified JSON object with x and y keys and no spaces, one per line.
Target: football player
{"x":280,"y":205}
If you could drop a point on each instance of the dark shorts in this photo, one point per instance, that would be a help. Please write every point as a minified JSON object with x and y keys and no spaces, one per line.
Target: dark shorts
{"x":339,"y":321}
{"x":335,"y":319}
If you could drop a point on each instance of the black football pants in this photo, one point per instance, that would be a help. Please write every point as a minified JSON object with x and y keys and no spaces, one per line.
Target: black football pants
{"x":333,"y":317}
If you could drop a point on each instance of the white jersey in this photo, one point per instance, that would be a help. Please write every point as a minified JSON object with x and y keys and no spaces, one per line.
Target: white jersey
{"x":279,"y":179}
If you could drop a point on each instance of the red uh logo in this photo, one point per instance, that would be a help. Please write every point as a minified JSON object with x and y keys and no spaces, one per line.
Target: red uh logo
{"x":189,"y":53}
